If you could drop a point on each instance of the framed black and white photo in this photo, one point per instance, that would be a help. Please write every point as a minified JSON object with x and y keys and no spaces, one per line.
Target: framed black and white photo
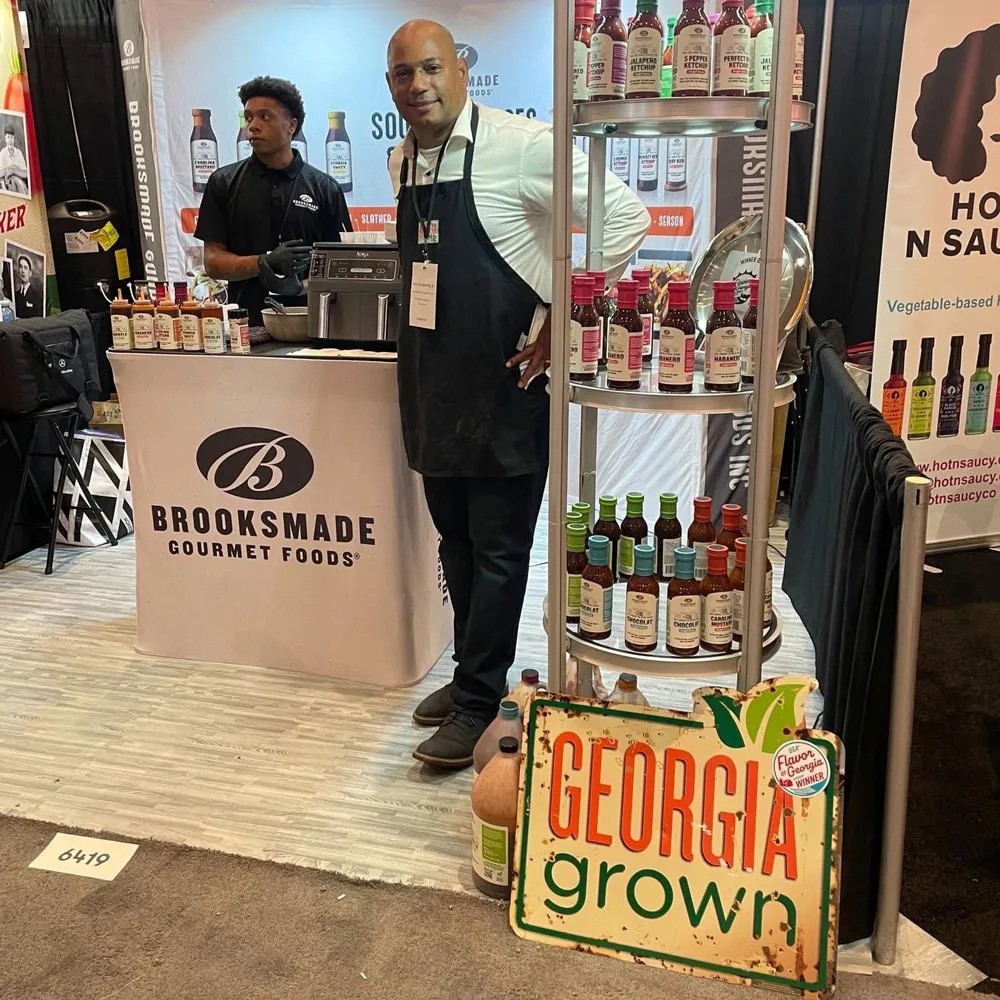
{"x":7,"y":312}
{"x":29,"y":280}
{"x":15,"y":171}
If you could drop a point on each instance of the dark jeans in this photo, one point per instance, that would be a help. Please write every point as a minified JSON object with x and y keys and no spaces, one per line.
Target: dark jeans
{"x":486,"y":528}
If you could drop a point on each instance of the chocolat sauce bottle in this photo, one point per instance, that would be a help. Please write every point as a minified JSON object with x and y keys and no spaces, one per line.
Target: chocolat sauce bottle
{"x":597,"y":591}
{"x":667,"y":531}
{"x":576,"y":563}
{"x":684,"y":606}
{"x":634,"y":532}
{"x":608,"y":526}
{"x":642,"y":603}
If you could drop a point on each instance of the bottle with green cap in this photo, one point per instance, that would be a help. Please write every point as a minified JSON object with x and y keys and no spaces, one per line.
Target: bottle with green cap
{"x":642,"y":603}
{"x":586,"y":510}
{"x":667,"y":69}
{"x":597,"y":590}
{"x":667,"y":533}
{"x":684,"y":606}
{"x":634,"y":532}
{"x":608,"y":526}
{"x":576,"y":563}
{"x":761,"y":49}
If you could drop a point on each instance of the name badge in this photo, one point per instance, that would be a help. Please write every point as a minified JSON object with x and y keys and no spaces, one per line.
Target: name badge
{"x":435,"y":233}
{"x":423,"y":295}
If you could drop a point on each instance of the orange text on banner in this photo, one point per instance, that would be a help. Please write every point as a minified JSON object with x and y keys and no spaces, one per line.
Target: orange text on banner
{"x":677,"y":221}
{"x":372,"y":220}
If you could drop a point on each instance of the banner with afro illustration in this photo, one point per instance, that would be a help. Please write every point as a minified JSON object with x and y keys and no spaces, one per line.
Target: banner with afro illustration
{"x":937,"y":344}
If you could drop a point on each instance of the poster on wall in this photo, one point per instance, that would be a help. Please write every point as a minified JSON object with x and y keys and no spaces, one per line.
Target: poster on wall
{"x":937,"y":329}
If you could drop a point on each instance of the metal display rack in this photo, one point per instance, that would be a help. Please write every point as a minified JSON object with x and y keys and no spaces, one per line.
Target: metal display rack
{"x":777,"y":116}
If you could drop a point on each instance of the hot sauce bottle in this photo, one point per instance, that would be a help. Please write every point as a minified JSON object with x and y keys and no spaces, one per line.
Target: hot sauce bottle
{"x":684,"y":606}
{"x":701,"y":534}
{"x":768,"y":576}
{"x":121,"y":324}
{"x":625,"y":339}
{"x":191,"y":324}
{"x":723,"y":341}
{"x":604,"y":309}
{"x":667,"y":531}
{"x":645,"y":307}
{"x":576,"y":563}
{"x":692,"y":58}
{"x":608,"y":525}
{"x":584,"y":332}
{"x":717,"y":603}
{"x":731,"y":514}
{"x":634,"y":532}
{"x":979,"y":389}
{"x":608,"y":54}
{"x":597,"y":590}
{"x":143,"y":322}
{"x":731,"y":51}
{"x":952,"y":390}
{"x":213,"y":327}
{"x":677,"y":333}
{"x":645,"y":52}
{"x":748,"y":348}
{"x":894,"y":390}
{"x":761,"y":49}
{"x":642,"y":603}
{"x":922,"y":394}
{"x":737,"y":577}
{"x":581,"y":49}
{"x":168,"y":323}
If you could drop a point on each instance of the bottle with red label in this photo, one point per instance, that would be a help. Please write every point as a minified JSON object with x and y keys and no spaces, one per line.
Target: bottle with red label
{"x":894,"y":390}
{"x":723,"y":341}
{"x":584,"y":332}
{"x":608,"y":54}
{"x":582,"y":36}
{"x":748,"y":350}
{"x":701,"y":534}
{"x":731,"y":514}
{"x":646,"y":307}
{"x":717,"y":603}
{"x":692,"y":55}
{"x":677,"y":335}
{"x":731,"y":51}
{"x":645,"y":51}
{"x":604,"y":309}
{"x":625,"y":339}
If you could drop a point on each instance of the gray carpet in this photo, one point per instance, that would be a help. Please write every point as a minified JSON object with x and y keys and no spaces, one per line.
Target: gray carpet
{"x":182,"y":924}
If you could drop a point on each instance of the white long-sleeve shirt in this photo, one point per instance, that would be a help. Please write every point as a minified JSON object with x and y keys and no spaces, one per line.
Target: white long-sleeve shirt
{"x":512,"y":187}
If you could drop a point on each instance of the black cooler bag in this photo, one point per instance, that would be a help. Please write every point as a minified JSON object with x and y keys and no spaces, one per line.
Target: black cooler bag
{"x":47,"y":362}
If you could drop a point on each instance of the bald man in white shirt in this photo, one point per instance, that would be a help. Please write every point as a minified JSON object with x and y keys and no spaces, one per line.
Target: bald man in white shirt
{"x":474,"y":224}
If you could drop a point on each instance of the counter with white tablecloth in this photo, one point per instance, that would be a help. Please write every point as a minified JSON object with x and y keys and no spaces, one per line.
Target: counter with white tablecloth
{"x":277,"y":523}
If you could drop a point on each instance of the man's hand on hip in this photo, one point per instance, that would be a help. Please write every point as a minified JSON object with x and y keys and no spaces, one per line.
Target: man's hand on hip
{"x":537,"y":355}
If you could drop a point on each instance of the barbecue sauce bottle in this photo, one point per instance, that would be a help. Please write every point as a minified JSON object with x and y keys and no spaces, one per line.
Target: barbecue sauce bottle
{"x":642,"y":603}
{"x":597,"y":591}
{"x":723,"y":341}
{"x":731,"y":514}
{"x":748,"y":349}
{"x":717,"y":603}
{"x":582,"y":35}
{"x":121,"y":324}
{"x":645,"y":307}
{"x":731,"y":51}
{"x":608,"y":54}
{"x":684,"y":606}
{"x":168,"y":323}
{"x":604,"y":309}
{"x":634,"y":532}
{"x":584,"y":332}
{"x":608,"y":526}
{"x":645,"y":52}
{"x":692,"y":55}
{"x":677,"y":334}
{"x":667,"y":531}
{"x":143,"y":322}
{"x":952,"y":390}
{"x":894,"y":390}
{"x":576,"y":563}
{"x":701,"y":534}
{"x":191,"y":324}
{"x":625,"y":339}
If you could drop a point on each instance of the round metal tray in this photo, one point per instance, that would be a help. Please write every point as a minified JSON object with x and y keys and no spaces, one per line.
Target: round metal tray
{"x":691,"y":116}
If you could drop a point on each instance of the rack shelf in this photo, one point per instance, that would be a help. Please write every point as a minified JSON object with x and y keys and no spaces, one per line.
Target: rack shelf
{"x":690,"y":116}
{"x":648,"y":399}
{"x":613,"y":654}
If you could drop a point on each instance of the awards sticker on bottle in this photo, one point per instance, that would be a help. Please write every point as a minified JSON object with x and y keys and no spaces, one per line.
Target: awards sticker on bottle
{"x":801,"y":769}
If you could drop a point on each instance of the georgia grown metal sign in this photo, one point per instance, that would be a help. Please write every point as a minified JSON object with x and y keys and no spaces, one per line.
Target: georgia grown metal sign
{"x":705,"y":842}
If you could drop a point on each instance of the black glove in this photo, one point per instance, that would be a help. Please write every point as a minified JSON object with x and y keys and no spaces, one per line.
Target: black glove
{"x":280,"y":269}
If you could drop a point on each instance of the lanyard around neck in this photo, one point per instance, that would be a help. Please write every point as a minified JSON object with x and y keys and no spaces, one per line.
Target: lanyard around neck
{"x":425,"y":223}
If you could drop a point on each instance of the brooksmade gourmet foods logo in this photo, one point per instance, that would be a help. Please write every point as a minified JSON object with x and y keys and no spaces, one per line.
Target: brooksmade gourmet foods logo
{"x":255,"y":463}
{"x":480,"y":84}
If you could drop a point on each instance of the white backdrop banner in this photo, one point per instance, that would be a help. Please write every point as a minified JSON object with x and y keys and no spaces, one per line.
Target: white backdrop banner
{"x":939,"y":296}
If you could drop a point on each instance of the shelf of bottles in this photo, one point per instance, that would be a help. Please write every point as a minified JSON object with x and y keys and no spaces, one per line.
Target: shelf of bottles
{"x":687,"y":116}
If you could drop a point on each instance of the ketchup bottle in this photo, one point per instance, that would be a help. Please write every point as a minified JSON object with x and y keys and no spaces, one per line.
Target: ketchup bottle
{"x":731,"y":51}
{"x":608,"y":54}
{"x":692,"y":55}
{"x":581,"y":49}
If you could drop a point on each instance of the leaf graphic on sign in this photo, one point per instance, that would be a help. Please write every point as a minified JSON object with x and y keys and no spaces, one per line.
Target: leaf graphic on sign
{"x":772,"y":716}
{"x":727,"y":720}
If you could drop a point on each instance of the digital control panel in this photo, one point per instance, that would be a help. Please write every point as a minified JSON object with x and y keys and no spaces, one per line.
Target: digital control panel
{"x":356,"y":266}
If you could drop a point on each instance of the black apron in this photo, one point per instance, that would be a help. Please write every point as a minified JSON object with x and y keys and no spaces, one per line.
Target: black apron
{"x":463,"y":414}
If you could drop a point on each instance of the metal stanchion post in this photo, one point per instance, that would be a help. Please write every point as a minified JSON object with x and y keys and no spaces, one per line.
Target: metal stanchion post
{"x":912,"y":548}
{"x":819,"y":122}
{"x":562,"y":246}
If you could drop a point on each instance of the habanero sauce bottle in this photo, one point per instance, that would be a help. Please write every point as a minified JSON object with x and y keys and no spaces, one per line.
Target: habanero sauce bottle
{"x":717,"y":603}
{"x":894,"y":390}
{"x":583,"y":32}
{"x":748,"y":348}
{"x":723,"y":341}
{"x":646,"y":308}
{"x":576,"y":563}
{"x":635,"y":530}
{"x":692,"y":55}
{"x":608,"y":526}
{"x":604,"y":309}
{"x":625,"y":339}
{"x":701,"y":534}
{"x":731,"y":51}
{"x":675,"y":371}
{"x":597,"y":591}
{"x":731,"y":514}
{"x":737,"y":577}
{"x":608,"y":54}
{"x":642,"y":603}
{"x":667,"y":531}
{"x":645,"y":52}
{"x":684,"y":606}
{"x":584,"y":332}
{"x":979,"y":389}
{"x":952,"y":391}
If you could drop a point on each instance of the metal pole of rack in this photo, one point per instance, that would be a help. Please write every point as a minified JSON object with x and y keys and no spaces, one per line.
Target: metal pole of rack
{"x":562,"y":247}
{"x":819,"y":120}
{"x":912,"y":547}
{"x":779,"y":120}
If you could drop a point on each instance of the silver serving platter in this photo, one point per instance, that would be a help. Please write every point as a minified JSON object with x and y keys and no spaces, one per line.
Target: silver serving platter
{"x":734,"y":255}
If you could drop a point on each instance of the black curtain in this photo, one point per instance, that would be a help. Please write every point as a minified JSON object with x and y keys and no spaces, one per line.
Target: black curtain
{"x":861,"y":110}
{"x":842,"y":575}
{"x":78,"y":98}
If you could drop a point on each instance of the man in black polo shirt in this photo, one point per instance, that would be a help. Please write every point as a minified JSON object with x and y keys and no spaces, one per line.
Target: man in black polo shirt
{"x":259,"y":217}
